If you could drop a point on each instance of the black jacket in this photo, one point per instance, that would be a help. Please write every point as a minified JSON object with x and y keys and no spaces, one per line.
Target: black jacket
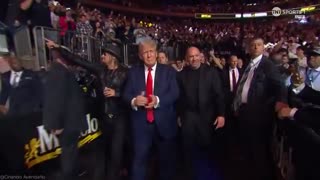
{"x":26,"y":97}
{"x":114,"y":79}
{"x":64,"y":101}
{"x":200,"y":115}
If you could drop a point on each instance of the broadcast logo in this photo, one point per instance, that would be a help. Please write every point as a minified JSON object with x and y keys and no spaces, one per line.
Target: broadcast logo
{"x":276,"y":11}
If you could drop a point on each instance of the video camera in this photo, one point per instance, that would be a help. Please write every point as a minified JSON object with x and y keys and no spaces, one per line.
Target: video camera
{"x":86,"y":82}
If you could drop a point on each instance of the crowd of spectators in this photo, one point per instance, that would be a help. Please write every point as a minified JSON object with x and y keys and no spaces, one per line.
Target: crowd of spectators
{"x":172,"y":34}
{"x":287,"y":40}
{"x":224,"y":7}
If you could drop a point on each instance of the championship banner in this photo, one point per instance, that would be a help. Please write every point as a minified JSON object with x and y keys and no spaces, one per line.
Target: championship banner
{"x":46,"y":146}
{"x":27,"y":147}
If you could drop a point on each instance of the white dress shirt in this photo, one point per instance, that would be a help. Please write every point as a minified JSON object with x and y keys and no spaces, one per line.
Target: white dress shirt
{"x":13,"y":75}
{"x":153,"y":74}
{"x":253,"y":65}
{"x":236,"y":71}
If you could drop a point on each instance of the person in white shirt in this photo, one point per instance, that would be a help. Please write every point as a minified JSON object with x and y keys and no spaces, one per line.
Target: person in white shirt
{"x":259,"y":94}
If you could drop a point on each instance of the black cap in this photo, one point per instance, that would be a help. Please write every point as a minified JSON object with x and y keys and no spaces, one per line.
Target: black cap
{"x":314,"y":51}
{"x":113,"y":49}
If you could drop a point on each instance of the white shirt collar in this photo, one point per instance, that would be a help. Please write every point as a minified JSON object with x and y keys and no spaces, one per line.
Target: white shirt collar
{"x":318,"y":69}
{"x":154,"y":67}
{"x":256,"y":60}
{"x":230,"y":69}
{"x":14,"y":72}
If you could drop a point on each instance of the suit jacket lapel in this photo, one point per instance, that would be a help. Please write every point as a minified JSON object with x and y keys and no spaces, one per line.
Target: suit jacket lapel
{"x":201,"y":84}
{"x":257,"y":72}
{"x":141,"y":79}
{"x":227,"y":76}
{"x":22,"y":78}
{"x":157,"y":78}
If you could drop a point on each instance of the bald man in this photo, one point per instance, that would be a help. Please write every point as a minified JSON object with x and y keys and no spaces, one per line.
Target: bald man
{"x":201,"y":109}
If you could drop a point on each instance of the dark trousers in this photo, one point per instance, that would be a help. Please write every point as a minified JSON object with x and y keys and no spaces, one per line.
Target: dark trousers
{"x":70,"y":155}
{"x":200,"y":162}
{"x":166,"y":154}
{"x":306,"y":156}
{"x":254,"y":137}
{"x":110,"y":150}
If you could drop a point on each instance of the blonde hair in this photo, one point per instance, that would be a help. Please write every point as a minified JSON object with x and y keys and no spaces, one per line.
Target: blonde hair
{"x":147,"y":42}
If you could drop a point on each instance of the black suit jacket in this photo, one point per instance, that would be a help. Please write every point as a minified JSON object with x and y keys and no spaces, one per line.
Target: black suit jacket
{"x":305,"y":97}
{"x":309,"y":116}
{"x":64,"y":101}
{"x":308,"y":103}
{"x":26,"y":97}
{"x":265,"y":90}
{"x":116,"y":81}
{"x":210,"y":98}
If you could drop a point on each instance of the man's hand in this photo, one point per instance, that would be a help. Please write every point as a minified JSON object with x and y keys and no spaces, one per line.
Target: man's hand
{"x":3,"y":110}
{"x":152,"y":103}
{"x":108,"y":92}
{"x":284,"y":113}
{"x":140,"y":101}
{"x":50,"y":44}
{"x":57,"y":131}
{"x":280,"y":105}
{"x":219,"y":122}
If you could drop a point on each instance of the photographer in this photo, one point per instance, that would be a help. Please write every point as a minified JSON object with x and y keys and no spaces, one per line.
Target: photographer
{"x":64,"y":111}
{"x":112,"y":76}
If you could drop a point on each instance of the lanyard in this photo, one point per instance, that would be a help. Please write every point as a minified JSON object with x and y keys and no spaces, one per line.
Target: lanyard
{"x":311,"y":77}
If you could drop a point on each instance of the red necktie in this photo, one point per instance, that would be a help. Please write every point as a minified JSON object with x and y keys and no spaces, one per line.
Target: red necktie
{"x":150,"y":116}
{"x":234,"y":81}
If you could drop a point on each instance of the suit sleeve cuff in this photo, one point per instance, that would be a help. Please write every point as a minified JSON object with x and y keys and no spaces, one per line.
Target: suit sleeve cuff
{"x":133,"y":106}
{"x":298,"y":89}
{"x":158,"y":103}
{"x":292,"y":113}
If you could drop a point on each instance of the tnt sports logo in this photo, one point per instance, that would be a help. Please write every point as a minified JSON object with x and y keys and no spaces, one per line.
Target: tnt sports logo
{"x":276,"y":11}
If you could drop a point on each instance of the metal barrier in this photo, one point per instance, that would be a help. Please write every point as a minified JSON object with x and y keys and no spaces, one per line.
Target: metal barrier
{"x":282,"y":153}
{"x":22,"y":43}
{"x":88,"y":47}
{"x":4,"y":46}
{"x":39,"y":34}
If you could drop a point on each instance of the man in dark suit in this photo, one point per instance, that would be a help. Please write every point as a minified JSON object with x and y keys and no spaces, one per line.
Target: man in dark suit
{"x":259,"y":93}
{"x":305,"y":125}
{"x":152,"y":91}
{"x":230,"y":78}
{"x":307,"y":115}
{"x":21,"y":90}
{"x":64,"y":111}
{"x":201,"y":109}
{"x":303,"y":116}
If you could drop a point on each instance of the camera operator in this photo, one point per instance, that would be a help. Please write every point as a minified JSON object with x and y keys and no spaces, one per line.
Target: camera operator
{"x":112,"y":76}
{"x":64,"y":111}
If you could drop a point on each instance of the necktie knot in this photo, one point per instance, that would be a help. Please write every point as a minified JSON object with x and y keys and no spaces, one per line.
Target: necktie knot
{"x":149,"y":69}
{"x":15,"y":79}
